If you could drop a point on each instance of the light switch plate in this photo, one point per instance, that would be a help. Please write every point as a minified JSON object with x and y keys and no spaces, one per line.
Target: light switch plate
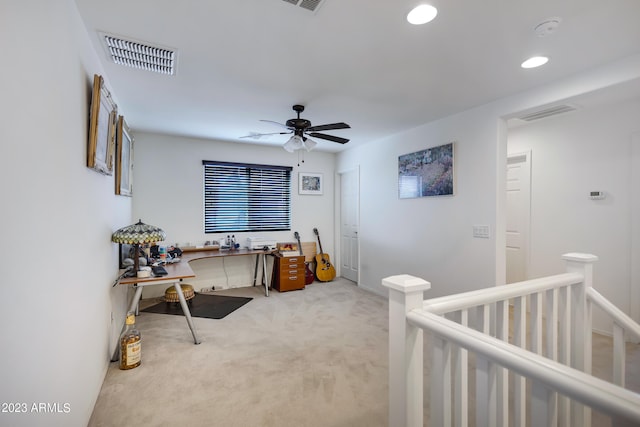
{"x":481,"y":231}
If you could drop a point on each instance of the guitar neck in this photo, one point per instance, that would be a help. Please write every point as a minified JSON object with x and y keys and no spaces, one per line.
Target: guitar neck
{"x":315,"y":230}
{"x":299,"y":244}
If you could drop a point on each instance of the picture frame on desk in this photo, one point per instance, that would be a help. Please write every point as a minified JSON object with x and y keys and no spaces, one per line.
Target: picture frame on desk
{"x":124,"y":251}
{"x":124,"y":159}
{"x":102,"y":123}
{"x":310,"y":183}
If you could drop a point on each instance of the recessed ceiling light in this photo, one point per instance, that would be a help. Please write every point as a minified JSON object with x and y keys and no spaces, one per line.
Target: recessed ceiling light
{"x":422,"y":14}
{"x":534,"y":61}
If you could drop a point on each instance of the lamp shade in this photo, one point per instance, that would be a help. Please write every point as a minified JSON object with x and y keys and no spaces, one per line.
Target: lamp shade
{"x":309,"y":143}
{"x":294,"y":143}
{"x":138,"y":233}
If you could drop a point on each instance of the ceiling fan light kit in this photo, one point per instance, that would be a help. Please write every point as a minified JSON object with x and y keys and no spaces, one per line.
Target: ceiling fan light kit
{"x":297,"y":142}
{"x":301,"y":127}
{"x":294,"y":143}
{"x":309,"y":144}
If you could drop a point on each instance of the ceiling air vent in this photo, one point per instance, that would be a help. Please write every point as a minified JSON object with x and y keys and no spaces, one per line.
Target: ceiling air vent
{"x":547,"y":112}
{"x":311,"y":5}
{"x":139,"y":55}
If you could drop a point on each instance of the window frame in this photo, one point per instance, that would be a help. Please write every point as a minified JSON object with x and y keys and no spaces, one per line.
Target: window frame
{"x":259,"y":200}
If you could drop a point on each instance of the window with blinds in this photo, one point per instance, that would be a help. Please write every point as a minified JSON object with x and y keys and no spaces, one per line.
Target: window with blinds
{"x":246,"y":197}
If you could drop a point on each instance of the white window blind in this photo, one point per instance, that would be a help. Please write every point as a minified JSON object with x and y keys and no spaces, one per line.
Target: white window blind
{"x":246,"y":197}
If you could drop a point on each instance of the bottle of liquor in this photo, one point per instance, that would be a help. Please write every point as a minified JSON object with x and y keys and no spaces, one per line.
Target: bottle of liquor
{"x":130,"y":344}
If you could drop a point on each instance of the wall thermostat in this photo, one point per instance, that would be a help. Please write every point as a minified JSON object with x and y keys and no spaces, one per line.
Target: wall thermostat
{"x":596,"y":195}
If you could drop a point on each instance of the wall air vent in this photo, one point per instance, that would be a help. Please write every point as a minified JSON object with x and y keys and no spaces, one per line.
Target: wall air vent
{"x":140,"y":55}
{"x":547,"y":112}
{"x":311,"y":5}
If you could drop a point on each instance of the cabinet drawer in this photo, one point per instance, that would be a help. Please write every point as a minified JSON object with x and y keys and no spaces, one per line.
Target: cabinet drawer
{"x":288,"y":270}
{"x":290,"y":283}
{"x":295,"y":278}
{"x":292,"y":259}
{"x":287,"y":264}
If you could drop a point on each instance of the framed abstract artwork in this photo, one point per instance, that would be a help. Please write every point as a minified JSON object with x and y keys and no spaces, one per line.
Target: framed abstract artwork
{"x":426,"y":173}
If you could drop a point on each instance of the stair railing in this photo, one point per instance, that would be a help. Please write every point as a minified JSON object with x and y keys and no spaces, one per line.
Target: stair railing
{"x":549,"y":347}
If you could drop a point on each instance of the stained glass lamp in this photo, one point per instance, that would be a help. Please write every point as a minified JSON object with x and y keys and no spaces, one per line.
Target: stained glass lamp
{"x":136,"y":235}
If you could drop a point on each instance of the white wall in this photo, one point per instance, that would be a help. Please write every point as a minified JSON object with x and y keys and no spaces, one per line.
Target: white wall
{"x":57,"y":220}
{"x":432,"y":237}
{"x":168,"y":189}
{"x":573,"y":154}
{"x":429,"y":237}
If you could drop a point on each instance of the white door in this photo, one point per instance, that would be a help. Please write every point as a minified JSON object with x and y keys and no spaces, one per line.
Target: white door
{"x":518,"y":215}
{"x":634,"y":289}
{"x":349,"y":223}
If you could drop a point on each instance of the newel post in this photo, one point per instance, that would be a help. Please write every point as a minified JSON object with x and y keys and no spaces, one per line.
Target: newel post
{"x":581,"y":321}
{"x":405,"y":351}
{"x":580,"y":310}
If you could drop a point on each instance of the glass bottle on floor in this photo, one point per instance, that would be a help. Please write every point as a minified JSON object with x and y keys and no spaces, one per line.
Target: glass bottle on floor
{"x":130,"y":344}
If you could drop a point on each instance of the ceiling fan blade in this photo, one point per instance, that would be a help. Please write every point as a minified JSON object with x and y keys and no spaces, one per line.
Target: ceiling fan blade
{"x":275,"y":123}
{"x":259,"y":135}
{"x":329,"y":137}
{"x":329,"y":126}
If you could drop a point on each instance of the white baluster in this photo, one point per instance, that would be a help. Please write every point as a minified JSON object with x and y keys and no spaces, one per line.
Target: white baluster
{"x":520,"y":339}
{"x":461,"y":377}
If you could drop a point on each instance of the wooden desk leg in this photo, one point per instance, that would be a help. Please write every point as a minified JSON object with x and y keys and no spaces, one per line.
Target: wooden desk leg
{"x":187,"y":313}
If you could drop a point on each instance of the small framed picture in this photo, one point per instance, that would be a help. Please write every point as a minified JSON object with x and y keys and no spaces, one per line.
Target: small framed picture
{"x":309,"y":183}
{"x":125,"y":252}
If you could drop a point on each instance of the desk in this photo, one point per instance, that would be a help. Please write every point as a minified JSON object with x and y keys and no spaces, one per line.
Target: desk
{"x":193,"y":254}
{"x":182,"y":270}
{"x":175,"y":273}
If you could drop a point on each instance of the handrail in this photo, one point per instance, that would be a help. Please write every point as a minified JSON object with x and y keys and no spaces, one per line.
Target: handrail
{"x":478,"y":297}
{"x":560,"y":305}
{"x":582,"y":387}
{"x":618,"y":316}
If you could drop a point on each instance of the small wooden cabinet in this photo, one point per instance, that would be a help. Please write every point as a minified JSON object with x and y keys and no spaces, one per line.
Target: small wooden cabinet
{"x":288,"y":273}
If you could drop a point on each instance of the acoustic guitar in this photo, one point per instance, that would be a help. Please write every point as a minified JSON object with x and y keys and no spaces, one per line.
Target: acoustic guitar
{"x":325,"y":272}
{"x":308,"y":274}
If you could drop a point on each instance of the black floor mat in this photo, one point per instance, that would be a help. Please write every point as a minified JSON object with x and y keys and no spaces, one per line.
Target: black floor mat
{"x":202,"y":305}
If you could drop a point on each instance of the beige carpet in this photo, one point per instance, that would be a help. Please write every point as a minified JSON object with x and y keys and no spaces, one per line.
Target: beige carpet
{"x":315,"y":357}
